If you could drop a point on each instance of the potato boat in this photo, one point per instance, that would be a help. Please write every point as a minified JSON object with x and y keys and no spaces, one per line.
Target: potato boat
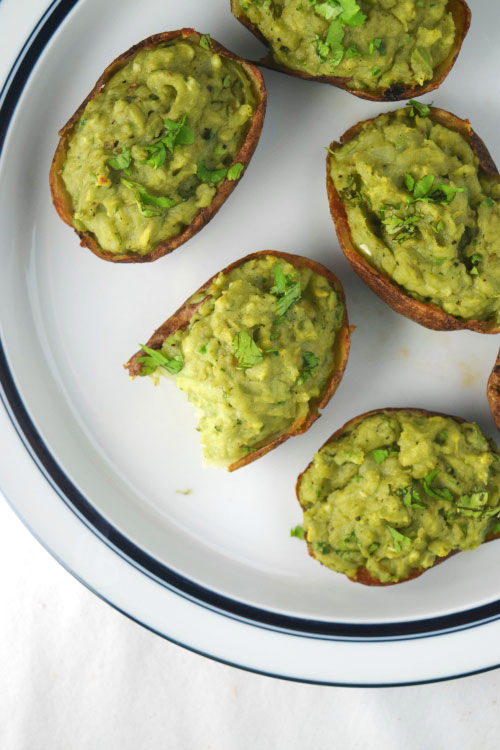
{"x":396,"y":491}
{"x":414,"y":195}
{"x":157,"y":146}
{"x":374,"y":52}
{"x":259,"y":349}
{"x":493,"y":391}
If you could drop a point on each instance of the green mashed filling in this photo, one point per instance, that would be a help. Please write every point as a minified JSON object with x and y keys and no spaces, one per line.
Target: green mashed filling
{"x":397,"y":491}
{"x":150,"y":149}
{"x":254,"y":355}
{"x":422,"y":211}
{"x":373,"y":43}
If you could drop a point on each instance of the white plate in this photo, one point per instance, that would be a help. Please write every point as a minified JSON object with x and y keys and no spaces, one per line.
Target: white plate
{"x":97,"y":463}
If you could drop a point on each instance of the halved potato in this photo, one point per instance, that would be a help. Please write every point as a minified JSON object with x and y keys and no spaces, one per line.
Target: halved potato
{"x":145,"y":162}
{"x":493,"y":391}
{"x":479,"y":174}
{"x":260,"y":348}
{"x":396,"y":491}
{"x":396,"y":90}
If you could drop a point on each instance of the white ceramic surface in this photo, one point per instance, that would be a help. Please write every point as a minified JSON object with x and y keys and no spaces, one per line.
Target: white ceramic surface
{"x":69,"y":320}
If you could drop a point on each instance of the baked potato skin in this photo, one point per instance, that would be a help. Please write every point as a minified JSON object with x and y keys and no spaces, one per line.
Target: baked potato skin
{"x":493,"y":391}
{"x":462,"y":17}
{"x":428,"y":315}
{"x":181,"y":318}
{"x":362,"y":574}
{"x":61,"y":198}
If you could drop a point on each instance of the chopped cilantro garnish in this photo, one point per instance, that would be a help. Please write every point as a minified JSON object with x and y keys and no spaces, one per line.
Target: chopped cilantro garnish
{"x":424,"y":190}
{"x":323,"y":547}
{"x":352,"y":51}
{"x":442,"y":437}
{"x":155,"y":359}
{"x":246,"y":350}
{"x":298,"y":532}
{"x":177,"y":134}
{"x":376,"y":44}
{"x":121,"y":161}
{"x":373,"y":548}
{"x":398,"y":538}
{"x":441,"y":493}
{"x":339,"y":13}
{"x":148,"y":205}
{"x":310,"y":364}
{"x":380,"y":454}
{"x":400,"y":229}
{"x":235,"y":170}
{"x":206,"y":42}
{"x":288,"y":292}
{"x":211,"y":176}
{"x":419,"y":107}
{"x":488,"y":202}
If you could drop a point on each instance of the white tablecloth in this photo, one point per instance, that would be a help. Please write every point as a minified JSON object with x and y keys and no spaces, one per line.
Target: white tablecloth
{"x":77,"y":675}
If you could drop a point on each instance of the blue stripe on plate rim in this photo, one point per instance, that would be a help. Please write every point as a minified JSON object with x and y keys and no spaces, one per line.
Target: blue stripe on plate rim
{"x":121,"y":545}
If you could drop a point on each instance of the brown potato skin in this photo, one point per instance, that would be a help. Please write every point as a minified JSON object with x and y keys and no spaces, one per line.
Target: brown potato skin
{"x":180,"y":320}
{"x":493,"y":391}
{"x":462,"y":17}
{"x":362,"y":574}
{"x":428,"y":315}
{"x":62,"y":200}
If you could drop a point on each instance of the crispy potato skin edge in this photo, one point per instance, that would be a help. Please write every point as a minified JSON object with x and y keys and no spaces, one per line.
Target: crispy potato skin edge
{"x":180,"y":320}
{"x":462,"y":17}
{"x":62,"y":200}
{"x":428,"y":315}
{"x":362,"y":574}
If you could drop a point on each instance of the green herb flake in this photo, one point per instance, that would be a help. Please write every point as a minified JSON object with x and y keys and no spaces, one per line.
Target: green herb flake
{"x":287,"y":290}
{"x":398,"y":538}
{"x":212,"y":176}
{"x":148,"y":205}
{"x":121,"y":161}
{"x":373,"y":548}
{"x":436,"y":492}
{"x":489,"y":202}
{"x":226,"y":81}
{"x":155,"y":359}
{"x":297,"y":532}
{"x":206,"y":42}
{"x":419,"y":108}
{"x":380,"y":454}
{"x":352,"y":51}
{"x":310,"y":364}
{"x":235,"y":170}
{"x":246,"y":350}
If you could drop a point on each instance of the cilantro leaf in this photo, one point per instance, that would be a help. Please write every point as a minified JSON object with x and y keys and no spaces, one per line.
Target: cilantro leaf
{"x":425,"y":190}
{"x":310,"y":364}
{"x":474,"y":261}
{"x":211,"y":176}
{"x":436,"y":492}
{"x":380,"y":454}
{"x":178,"y":133}
{"x":235,"y":170}
{"x":246,"y":350}
{"x":298,"y":532}
{"x":206,"y":42}
{"x":157,"y":203}
{"x":422,"y":109}
{"x":398,"y":538}
{"x":156,"y":359}
{"x":121,"y":161}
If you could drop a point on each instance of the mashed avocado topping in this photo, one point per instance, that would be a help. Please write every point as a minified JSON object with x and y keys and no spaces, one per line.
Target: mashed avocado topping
{"x":422,"y":211}
{"x":254,"y":355}
{"x":397,"y":490}
{"x":373,"y":43}
{"x":149,"y":151}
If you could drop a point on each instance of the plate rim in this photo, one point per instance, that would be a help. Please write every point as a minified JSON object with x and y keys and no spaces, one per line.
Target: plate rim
{"x":58,"y":482}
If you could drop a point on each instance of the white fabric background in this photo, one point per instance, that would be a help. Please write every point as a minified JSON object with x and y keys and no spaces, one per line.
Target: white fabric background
{"x":77,"y":675}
